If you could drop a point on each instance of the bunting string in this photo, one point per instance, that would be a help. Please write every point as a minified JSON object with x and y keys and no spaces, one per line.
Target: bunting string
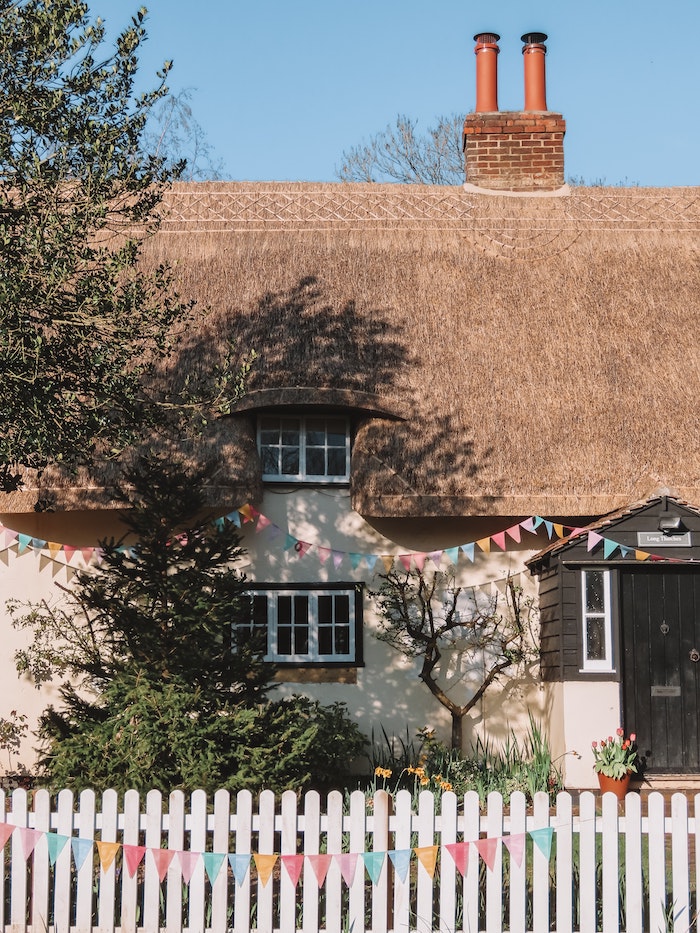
{"x":296,"y":548}
{"x":187,"y":861}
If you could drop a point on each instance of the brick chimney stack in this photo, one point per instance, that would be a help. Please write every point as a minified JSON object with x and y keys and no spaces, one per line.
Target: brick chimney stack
{"x":513,"y":150}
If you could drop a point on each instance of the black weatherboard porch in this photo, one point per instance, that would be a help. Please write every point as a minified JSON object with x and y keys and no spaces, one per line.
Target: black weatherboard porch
{"x":620,"y":601}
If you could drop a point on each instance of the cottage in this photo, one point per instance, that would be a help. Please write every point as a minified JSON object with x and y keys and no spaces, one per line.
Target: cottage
{"x":499,"y":380}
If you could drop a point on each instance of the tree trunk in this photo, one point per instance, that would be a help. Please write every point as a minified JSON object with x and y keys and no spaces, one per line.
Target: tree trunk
{"x":456,"y":739}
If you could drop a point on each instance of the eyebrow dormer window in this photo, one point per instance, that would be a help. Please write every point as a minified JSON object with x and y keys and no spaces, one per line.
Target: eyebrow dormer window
{"x":304,"y":449}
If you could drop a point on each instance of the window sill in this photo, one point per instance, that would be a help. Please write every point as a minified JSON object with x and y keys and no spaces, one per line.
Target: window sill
{"x":316,"y":675}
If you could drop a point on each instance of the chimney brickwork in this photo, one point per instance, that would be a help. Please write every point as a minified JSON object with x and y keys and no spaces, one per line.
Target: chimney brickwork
{"x":515,"y":151}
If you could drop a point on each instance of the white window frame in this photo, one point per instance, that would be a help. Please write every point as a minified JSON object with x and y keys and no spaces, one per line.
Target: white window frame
{"x":313,"y":655}
{"x":303,"y":476}
{"x":605,"y":663}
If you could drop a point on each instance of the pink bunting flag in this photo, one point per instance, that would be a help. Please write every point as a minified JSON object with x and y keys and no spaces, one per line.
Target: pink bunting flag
{"x":487,"y":849}
{"x":301,"y":547}
{"x":516,"y":846}
{"x":419,"y":561}
{"x":263,"y":522}
{"x":162,"y":858}
{"x":5,"y":832}
{"x":460,"y":853}
{"x":69,"y":552}
{"x":293,"y":865}
{"x":320,"y":864}
{"x":188,"y":863}
{"x":248,"y":513}
{"x":593,"y":539}
{"x":348,"y":866}
{"x":28,"y":838}
{"x":133,"y":856}
{"x":500,"y":540}
{"x":323,"y":554}
{"x":514,"y":533}
{"x":405,"y":561}
{"x":87,"y":553}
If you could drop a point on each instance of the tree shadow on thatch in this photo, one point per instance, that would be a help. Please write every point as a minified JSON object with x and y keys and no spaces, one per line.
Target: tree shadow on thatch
{"x":303,"y":337}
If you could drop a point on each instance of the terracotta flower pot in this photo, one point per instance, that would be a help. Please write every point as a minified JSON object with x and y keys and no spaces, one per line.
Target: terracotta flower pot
{"x":617,"y":786}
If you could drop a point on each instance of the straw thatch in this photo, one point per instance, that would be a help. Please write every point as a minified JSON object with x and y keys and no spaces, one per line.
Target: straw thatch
{"x":505,"y":355}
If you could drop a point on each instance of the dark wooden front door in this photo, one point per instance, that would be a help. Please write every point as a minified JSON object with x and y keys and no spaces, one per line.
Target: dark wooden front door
{"x":660,"y":633}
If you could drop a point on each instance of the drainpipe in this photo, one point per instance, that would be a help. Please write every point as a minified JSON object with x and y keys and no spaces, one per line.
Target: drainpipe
{"x":534,"y":52}
{"x":486,"y":51}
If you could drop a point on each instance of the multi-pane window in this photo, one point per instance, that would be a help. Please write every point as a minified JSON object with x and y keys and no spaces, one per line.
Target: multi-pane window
{"x":307,"y":625}
{"x":597,"y":627}
{"x":304,"y":448}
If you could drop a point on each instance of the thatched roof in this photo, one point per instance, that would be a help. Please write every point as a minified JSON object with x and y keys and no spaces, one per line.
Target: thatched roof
{"x":506,"y":355}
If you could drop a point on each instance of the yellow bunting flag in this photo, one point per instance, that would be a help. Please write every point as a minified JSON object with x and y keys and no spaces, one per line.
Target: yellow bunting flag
{"x":54,"y":548}
{"x":427,"y":856}
{"x":107,"y":852}
{"x":485,"y":545}
{"x":388,"y":562}
{"x":641,"y":555}
{"x":264,"y":864}
{"x":558,"y":530}
{"x":248,"y":512}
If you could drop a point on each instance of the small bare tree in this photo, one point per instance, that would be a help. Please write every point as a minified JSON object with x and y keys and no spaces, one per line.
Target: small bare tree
{"x":426,"y":616}
{"x":401,"y":154}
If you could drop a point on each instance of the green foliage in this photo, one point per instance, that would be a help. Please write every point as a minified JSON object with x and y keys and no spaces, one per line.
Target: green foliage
{"x":159,"y":689}
{"x":85,"y":333}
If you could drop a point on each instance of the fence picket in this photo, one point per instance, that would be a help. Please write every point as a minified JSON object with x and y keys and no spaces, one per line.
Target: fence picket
{"x":679,"y":864}
{"x":604,"y":860}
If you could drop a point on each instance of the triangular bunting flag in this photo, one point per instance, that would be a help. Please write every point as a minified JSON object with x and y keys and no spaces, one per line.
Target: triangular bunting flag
{"x":294,"y":865}
{"x":436,"y":557}
{"x":371,"y":560}
{"x":401,"y":860}
{"x":289,"y":542}
{"x":625,"y":551}
{"x":107,"y":852}
{"x":427,"y":856}
{"x":499,"y":540}
{"x":81,"y":849}
{"x":263,"y":522}
{"x":54,"y":548}
{"x":320,"y":864}
{"x":24,"y":542}
{"x":487,"y":850}
{"x":188,"y":862}
{"x":28,"y":838}
{"x":609,"y":547}
{"x":5,"y":832}
{"x":550,"y":528}
{"x":133,"y":856}
{"x":348,"y":865}
{"x":301,"y":547}
{"x":641,"y":555}
{"x":405,"y":561}
{"x":355,"y":560}
{"x":70,"y":551}
{"x":337,"y":558}
{"x":323,"y":554}
{"x":529,"y":525}
{"x":516,"y":846}
{"x":374,"y":862}
{"x":213,"y":862}
{"x":388,"y":562}
{"x":248,"y":513}
{"x":452,"y":554}
{"x":543,"y":839}
{"x":558,"y":530}
{"x":514,"y":533}
{"x":593,"y":539}
{"x":56,"y":844}
{"x":162,"y":858}
{"x":235,"y":518}
{"x":219,"y":524}
{"x":460,"y":853}
{"x":38,"y":543}
{"x":419,"y":561}
{"x":87,"y":553}
{"x":468,"y":551}
{"x":264,"y":864}
{"x":275,"y":531}
{"x":485,"y":545}
{"x":239,"y":866}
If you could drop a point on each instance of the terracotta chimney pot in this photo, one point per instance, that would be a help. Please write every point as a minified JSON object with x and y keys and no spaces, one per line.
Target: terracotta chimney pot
{"x":486,"y":51}
{"x":534,"y":52}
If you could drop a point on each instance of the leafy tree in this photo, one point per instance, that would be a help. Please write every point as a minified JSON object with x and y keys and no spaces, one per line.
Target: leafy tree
{"x":82,"y":327}
{"x":173,"y":132}
{"x":426,"y":616}
{"x":400,"y":154}
{"x":158,"y":689}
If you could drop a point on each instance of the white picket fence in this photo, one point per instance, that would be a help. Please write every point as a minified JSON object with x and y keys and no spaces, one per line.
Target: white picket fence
{"x":193,"y":864}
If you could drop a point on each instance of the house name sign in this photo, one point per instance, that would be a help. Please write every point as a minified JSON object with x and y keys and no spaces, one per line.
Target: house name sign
{"x":659,"y":539}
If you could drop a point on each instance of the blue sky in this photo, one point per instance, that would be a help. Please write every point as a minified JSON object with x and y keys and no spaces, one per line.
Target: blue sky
{"x":281,"y":88}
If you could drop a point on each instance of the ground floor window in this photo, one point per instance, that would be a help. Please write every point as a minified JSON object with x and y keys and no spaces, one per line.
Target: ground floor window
{"x":597,"y":620}
{"x":307,"y":625}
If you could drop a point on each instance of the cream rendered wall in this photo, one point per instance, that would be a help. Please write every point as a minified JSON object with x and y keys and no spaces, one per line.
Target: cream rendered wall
{"x":591,"y":712}
{"x":388,"y":692}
